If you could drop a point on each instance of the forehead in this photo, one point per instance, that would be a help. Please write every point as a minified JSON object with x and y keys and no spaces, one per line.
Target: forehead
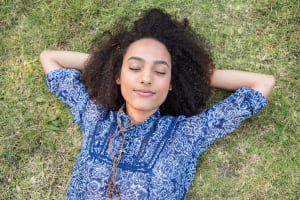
{"x":148,"y":48}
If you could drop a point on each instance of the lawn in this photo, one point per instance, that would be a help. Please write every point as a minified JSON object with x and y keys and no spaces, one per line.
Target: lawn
{"x":40,"y":142}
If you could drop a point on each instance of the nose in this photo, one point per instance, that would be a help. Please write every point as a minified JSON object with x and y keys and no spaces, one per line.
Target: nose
{"x":146,"y":77}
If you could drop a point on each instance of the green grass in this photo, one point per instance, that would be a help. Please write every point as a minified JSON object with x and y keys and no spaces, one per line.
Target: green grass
{"x":40,"y":143}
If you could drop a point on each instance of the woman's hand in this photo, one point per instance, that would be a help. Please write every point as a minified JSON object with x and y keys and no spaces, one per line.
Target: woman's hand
{"x":233,"y":80}
{"x":52,"y":60}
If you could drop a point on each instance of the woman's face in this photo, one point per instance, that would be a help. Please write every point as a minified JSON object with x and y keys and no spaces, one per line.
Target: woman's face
{"x":145,"y":78}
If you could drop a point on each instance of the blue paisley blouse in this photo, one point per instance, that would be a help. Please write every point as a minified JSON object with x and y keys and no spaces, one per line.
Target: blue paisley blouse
{"x":159,"y":156}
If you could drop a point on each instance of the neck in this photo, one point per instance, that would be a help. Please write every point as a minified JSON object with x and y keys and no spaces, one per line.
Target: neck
{"x":138,"y":116}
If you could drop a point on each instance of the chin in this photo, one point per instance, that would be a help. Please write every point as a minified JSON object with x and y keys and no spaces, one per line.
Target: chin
{"x":145,"y":107}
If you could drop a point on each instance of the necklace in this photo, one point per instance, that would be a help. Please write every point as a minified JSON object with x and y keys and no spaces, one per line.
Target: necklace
{"x":112,"y":186}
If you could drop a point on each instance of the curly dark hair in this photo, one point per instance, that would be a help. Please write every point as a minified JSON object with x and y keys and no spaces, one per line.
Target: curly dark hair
{"x":191,"y":63}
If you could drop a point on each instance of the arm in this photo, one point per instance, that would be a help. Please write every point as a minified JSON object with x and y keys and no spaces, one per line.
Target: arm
{"x":233,"y":80}
{"x":52,"y":60}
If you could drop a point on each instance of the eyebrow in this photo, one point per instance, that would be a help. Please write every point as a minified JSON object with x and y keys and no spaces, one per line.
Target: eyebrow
{"x":142,"y":60}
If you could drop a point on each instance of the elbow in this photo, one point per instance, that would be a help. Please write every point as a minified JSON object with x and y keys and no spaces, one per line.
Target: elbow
{"x":44,"y":59}
{"x":271,"y":81}
{"x":266,"y":85}
{"x":44,"y":56}
{"x":48,"y":61}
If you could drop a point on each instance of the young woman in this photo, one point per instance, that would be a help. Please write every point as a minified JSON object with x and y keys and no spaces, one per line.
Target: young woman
{"x":137,"y":99}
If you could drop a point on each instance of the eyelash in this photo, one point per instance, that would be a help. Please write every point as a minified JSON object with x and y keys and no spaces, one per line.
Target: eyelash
{"x":160,"y":73}
{"x":133,"y":68}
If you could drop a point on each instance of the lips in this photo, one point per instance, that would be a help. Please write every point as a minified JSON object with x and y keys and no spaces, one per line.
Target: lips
{"x":145,"y":93}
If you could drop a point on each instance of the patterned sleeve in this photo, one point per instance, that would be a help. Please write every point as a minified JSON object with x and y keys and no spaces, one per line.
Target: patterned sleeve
{"x":222,"y":118}
{"x":66,"y":85}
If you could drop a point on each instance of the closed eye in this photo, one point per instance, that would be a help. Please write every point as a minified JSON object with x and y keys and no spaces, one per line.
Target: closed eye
{"x":134,"y":68}
{"x":160,"y":73}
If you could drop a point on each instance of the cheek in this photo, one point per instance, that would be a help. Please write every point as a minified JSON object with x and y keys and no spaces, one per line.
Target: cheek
{"x":164,"y":86}
{"x":123,"y":78}
{"x":126,"y":80}
{"x":126,"y":84}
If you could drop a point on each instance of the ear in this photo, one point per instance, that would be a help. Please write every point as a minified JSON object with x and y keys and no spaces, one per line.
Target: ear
{"x":117,"y":78}
{"x":118,"y":81}
{"x":170,"y":88}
